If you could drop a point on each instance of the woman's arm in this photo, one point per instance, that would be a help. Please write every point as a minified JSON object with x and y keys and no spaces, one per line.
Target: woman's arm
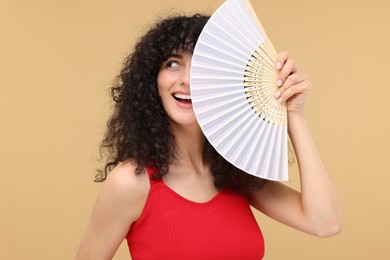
{"x":119,"y":203}
{"x":315,"y":209}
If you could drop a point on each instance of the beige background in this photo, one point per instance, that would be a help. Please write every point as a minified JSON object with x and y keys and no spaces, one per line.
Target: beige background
{"x":57,"y":58}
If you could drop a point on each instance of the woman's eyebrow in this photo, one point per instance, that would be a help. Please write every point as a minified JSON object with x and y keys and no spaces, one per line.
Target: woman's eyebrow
{"x":175,"y":55}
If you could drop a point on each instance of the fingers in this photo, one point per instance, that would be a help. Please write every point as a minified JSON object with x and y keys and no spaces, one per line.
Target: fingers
{"x":289,"y":80}
{"x":295,"y":83}
{"x":281,"y":59}
{"x":300,"y":85}
{"x":286,"y":67}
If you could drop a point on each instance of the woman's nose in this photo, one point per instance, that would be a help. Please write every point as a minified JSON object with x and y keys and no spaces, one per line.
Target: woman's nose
{"x":185,"y":75}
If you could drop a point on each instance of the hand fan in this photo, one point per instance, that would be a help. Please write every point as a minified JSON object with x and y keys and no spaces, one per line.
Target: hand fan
{"x":233,"y":82}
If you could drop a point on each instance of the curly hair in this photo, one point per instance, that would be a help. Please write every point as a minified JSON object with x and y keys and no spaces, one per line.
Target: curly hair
{"x":139,"y":127}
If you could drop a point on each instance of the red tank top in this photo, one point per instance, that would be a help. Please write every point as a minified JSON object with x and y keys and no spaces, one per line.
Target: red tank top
{"x":172,"y":227}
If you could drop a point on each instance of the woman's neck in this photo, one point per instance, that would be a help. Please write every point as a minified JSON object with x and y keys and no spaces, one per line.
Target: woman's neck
{"x":189,"y":140}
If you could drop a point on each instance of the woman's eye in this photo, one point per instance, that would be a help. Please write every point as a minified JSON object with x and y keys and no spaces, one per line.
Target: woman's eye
{"x":172,"y":64}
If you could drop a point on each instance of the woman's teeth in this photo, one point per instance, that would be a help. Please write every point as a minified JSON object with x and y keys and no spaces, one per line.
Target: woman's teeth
{"x":182,"y":96}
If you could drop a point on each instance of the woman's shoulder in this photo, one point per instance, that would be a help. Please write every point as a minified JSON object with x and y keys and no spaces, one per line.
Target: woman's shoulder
{"x":124,"y":179}
{"x":124,"y":173}
{"x":121,"y":198}
{"x":126,"y":189}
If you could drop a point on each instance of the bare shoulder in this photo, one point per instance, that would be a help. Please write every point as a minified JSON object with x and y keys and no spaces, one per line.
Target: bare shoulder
{"x":125,"y":188}
{"x":125,"y":181}
{"x":122,"y":198}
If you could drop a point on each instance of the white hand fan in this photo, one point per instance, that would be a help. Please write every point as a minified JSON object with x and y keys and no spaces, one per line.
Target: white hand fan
{"x":233,"y":82}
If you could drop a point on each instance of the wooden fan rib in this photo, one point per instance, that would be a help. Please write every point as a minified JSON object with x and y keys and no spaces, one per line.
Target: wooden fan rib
{"x":260,"y":26}
{"x":255,"y":95}
{"x":260,"y":75}
{"x":255,"y":101}
{"x":264,"y":51}
{"x":254,"y":63}
{"x":263,"y":87}
{"x":269,"y":116}
{"x":263,"y":91}
{"x":259,"y":86}
{"x":258,"y":70}
{"x":269,"y":49}
{"x":266,"y":96}
{"x":265,"y":81}
{"x":248,"y":13}
{"x":270,"y":81}
{"x":264,"y":58}
{"x":245,"y":15}
{"x":244,"y":25}
{"x":269,"y":111}
{"x":217,"y":114}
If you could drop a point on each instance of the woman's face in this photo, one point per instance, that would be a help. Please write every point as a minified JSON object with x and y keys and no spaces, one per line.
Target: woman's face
{"x":173,"y":83}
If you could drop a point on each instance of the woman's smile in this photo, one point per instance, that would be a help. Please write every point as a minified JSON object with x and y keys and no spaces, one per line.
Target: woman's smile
{"x":183,"y":100}
{"x":173,"y":82}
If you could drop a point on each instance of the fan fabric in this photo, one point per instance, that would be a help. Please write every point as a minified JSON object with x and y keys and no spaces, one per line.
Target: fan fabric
{"x":233,"y":83}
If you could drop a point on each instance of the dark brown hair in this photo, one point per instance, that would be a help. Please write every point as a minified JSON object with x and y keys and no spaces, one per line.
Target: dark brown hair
{"x":138,"y":128}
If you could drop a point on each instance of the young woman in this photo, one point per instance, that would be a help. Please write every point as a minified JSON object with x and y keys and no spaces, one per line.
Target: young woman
{"x":167,"y":191}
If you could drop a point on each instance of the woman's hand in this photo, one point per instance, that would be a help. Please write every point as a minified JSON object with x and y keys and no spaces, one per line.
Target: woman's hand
{"x":315,"y":208}
{"x":293,"y":86}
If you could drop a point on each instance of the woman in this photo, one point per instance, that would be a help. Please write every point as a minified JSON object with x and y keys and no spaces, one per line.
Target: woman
{"x":168,"y":192}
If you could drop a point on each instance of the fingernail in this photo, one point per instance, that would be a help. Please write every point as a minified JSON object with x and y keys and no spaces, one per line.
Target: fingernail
{"x":280,"y":100}
{"x":278,"y":65}
{"x":277,"y":94}
{"x":279,"y":83}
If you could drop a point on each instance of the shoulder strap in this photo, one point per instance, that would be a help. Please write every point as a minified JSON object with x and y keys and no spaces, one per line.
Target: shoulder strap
{"x":152,"y":170}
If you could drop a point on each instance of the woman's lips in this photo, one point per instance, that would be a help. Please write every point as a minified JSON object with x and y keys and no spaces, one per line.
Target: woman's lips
{"x":183,"y":100}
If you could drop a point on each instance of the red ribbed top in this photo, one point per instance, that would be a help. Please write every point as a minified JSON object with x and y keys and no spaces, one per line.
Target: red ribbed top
{"x":173,"y":227}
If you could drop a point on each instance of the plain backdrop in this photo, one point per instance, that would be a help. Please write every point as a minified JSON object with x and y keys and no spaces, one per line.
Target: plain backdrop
{"x":58,"y":58}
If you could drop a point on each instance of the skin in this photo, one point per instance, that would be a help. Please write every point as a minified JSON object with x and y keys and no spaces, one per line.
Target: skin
{"x":314,"y":209}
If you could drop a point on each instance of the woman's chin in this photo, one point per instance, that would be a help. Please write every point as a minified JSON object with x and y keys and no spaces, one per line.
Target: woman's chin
{"x":185,"y":121}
